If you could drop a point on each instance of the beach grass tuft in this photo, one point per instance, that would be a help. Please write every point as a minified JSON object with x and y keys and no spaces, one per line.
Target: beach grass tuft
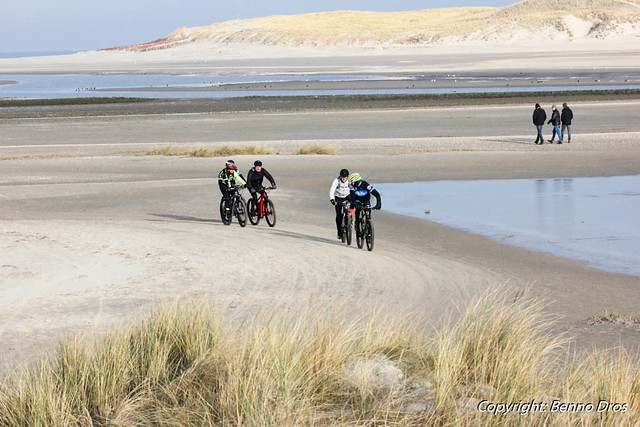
{"x":317,"y":149}
{"x":184,"y":365}
{"x":226,"y":150}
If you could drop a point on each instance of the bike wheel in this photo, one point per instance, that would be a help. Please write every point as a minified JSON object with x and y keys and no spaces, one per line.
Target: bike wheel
{"x":252,"y":212}
{"x":270,"y":213}
{"x":343,"y":230}
{"x":360,"y":229}
{"x":225,"y":215}
{"x":349,"y":229}
{"x":369,"y":235}
{"x":241,"y":211}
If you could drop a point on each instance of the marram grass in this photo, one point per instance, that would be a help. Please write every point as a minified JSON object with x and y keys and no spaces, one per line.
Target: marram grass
{"x":226,"y":150}
{"x":183,"y":365}
{"x":316,"y":149}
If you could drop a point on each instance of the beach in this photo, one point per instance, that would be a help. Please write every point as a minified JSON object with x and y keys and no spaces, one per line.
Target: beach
{"x":94,"y":239}
{"x":95,"y":232}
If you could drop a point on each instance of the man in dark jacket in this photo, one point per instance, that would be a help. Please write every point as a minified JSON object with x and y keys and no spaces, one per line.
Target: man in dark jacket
{"x":566,"y":117}
{"x":555,"y":121}
{"x":254,"y":180}
{"x":539,"y":117}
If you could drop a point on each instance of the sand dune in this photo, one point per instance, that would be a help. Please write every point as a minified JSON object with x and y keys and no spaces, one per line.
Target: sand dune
{"x":529,"y":21}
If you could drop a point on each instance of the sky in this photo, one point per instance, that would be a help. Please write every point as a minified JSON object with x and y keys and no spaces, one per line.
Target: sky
{"x":76,"y":25}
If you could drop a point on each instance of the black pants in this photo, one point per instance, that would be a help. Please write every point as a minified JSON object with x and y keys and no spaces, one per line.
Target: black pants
{"x":226,"y":195}
{"x":338,"y":207}
{"x":255,"y":193}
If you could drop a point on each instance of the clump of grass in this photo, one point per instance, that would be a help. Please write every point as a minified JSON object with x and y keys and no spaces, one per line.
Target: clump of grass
{"x":226,"y":150}
{"x":185,"y":366}
{"x":316,"y":149}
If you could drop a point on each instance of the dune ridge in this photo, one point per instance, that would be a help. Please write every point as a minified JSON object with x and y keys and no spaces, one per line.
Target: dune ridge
{"x":528,"y":21}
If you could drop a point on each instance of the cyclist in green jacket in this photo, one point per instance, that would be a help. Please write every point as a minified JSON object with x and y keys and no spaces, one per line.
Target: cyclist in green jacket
{"x":227,"y":180}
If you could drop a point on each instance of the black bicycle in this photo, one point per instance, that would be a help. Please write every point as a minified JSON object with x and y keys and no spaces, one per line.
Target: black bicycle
{"x":262,"y":209}
{"x":364,"y":228}
{"x":347,"y":222}
{"x":238,"y":208}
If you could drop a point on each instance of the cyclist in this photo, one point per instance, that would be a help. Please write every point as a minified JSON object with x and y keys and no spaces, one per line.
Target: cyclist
{"x":254,"y":180}
{"x":339,"y":192}
{"x":227,"y":179}
{"x":361,"y":192}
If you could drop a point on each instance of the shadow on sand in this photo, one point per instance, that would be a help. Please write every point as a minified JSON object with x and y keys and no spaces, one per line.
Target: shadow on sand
{"x":184,"y":218}
{"x":289,"y":234}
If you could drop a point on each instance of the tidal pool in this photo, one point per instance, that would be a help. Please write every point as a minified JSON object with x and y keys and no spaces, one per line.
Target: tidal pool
{"x":593,"y":220}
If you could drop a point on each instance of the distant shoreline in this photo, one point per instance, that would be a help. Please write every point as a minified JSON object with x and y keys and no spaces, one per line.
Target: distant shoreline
{"x":104,"y":106}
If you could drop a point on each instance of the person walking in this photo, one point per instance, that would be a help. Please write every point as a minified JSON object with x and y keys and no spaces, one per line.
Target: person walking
{"x":555,"y":121}
{"x":539,"y":117}
{"x":566,"y":118}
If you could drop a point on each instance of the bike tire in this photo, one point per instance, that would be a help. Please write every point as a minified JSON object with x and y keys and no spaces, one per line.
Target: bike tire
{"x":349,"y":230}
{"x":270,"y":213}
{"x":252,"y":212}
{"x":241,"y":211}
{"x":226,"y":219}
{"x":360,"y":225}
{"x":369,"y":236}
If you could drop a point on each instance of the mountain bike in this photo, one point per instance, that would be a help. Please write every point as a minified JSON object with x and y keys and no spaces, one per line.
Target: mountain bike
{"x":347,"y":222}
{"x":238,"y":208}
{"x":264,"y":209}
{"x":364,"y":228}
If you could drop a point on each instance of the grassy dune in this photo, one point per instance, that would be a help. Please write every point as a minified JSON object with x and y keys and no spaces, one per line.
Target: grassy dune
{"x":182,"y":365}
{"x":422,"y":27}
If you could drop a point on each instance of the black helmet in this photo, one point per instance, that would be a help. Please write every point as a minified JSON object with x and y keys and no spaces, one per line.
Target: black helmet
{"x":257,"y":163}
{"x":231,"y":165}
{"x":344,"y":173}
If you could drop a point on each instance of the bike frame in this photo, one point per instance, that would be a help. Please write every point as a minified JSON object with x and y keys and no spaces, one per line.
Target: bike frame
{"x":261,"y":200}
{"x":262,"y":210}
{"x":346,"y":213}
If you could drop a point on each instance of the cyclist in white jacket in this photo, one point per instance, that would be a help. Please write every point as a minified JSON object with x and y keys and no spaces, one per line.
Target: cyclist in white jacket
{"x":339,"y":192}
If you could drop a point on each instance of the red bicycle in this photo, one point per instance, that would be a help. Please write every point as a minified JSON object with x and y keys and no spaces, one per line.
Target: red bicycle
{"x":264,"y":209}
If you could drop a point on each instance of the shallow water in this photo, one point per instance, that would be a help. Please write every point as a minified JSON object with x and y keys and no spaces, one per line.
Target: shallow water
{"x":38,"y":86}
{"x":593,"y":220}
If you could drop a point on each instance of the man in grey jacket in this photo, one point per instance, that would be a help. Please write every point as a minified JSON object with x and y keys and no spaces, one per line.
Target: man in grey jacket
{"x":555,"y":121}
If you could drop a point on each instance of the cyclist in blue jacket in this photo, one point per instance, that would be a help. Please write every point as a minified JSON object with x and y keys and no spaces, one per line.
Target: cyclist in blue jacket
{"x":362,"y":192}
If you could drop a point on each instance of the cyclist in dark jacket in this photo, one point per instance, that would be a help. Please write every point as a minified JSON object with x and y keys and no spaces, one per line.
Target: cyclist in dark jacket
{"x":555,"y":121}
{"x":254,"y":180}
{"x":539,"y":117}
{"x":362,"y":191}
{"x":227,"y":179}
{"x":566,"y":118}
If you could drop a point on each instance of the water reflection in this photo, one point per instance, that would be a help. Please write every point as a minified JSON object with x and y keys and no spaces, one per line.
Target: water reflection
{"x":594,"y":220}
